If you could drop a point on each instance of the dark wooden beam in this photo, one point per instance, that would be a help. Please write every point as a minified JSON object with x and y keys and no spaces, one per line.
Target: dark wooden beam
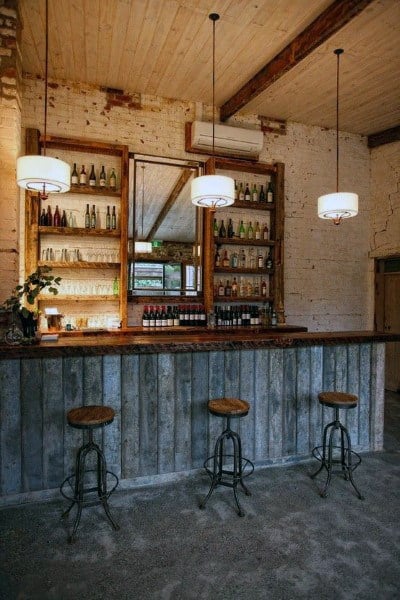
{"x":322,"y":28}
{"x":384,"y":137}
{"x":178,"y":187}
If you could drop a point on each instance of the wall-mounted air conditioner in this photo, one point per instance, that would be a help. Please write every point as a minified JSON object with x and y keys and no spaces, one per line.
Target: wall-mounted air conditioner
{"x":229,"y":141}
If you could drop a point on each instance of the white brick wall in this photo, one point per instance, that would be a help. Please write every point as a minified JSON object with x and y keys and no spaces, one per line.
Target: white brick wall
{"x":328,"y":275}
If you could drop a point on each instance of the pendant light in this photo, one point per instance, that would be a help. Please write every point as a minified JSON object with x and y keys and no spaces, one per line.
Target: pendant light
{"x":213,"y":191}
{"x":143,"y":247}
{"x":339,"y":205}
{"x":42,"y":173}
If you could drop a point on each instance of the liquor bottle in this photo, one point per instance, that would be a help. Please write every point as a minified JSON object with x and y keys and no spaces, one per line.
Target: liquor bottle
{"x":145,"y":317}
{"x":230,"y":229}
{"x":228,"y":288}
{"x":82,"y":176}
{"x":217,"y":259}
{"x":241,"y":192}
{"x":222,"y":230}
{"x":74,"y":176}
{"x":176,"y":317}
{"x":268,"y":261}
{"x":63,"y":221}
{"x":247,"y":195}
{"x":261,"y":197}
{"x":113,"y":219}
{"x":257,"y":231}
{"x":87,"y":217}
{"x":43,"y":218}
{"x":102,"y":177}
{"x":225,"y":260}
{"x":234,"y":260}
{"x":242,"y":231}
{"x":256,"y":287}
{"x":274,"y":319}
{"x":221,"y":289}
{"x":236,"y":191}
{"x":71,"y":219}
{"x":215,"y":228}
{"x":158,"y":316}
{"x":108,"y":218}
{"x":164,"y":320}
{"x":93,"y":217}
{"x":264,"y":288}
{"x":265,"y":232}
{"x":49,"y":217}
{"x":260,"y":260}
{"x":270,"y":193}
{"x":152,"y":317}
{"x":57,"y":217}
{"x":170,"y":317}
{"x":254,"y":193}
{"x":234,"y":287}
{"x":242,"y":259}
{"x":92,"y":177}
{"x":250,"y":231}
{"x":113,"y":180}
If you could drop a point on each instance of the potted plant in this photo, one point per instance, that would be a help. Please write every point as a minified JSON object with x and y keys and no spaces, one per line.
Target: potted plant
{"x":23,"y":297}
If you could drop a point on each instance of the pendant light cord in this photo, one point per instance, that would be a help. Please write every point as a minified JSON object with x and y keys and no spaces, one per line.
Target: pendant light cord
{"x":214,"y":17}
{"x":46,"y":68}
{"x":143,"y":168}
{"x":338,"y":52}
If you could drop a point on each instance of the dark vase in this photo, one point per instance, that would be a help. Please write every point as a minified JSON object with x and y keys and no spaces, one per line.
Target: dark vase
{"x":29,"y":325}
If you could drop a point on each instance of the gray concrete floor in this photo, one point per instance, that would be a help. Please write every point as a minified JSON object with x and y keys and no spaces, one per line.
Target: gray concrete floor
{"x":291,"y":543}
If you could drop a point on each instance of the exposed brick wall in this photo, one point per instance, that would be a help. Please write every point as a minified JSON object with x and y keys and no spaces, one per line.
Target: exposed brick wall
{"x":385,"y":194}
{"x":328,"y":275}
{"x":10,"y":136}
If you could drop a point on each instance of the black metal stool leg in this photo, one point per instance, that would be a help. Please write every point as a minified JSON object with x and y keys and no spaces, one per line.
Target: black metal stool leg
{"x":102,"y":485}
{"x":236,"y":472}
{"x":349,"y":465}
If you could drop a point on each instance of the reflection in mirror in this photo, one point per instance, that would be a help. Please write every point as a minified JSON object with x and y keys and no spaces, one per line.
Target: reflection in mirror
{"x":164,"y":229}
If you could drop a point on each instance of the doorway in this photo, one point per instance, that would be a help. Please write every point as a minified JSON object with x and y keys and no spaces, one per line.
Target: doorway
{"x":387,"y":315}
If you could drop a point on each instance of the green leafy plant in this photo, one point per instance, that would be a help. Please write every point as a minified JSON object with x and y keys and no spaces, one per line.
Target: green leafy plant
{"x":26,"y":293}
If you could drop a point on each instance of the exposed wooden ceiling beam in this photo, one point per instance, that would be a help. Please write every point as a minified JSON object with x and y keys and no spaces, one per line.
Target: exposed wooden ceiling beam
{"x":384,"y":137}
{"x":322,"y":28}
{"x":178,"y":187}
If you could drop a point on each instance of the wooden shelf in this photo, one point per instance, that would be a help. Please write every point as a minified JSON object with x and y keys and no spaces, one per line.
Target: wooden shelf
{"x":268,"y":206}
{"x":242,"y":299}
{"x":95,"y":191}
{"x":79,"y":231}
{"x":81,"y":264}
{"x":242,"y":242}
{"x":78,"y":297}
{"x":241,"y":271}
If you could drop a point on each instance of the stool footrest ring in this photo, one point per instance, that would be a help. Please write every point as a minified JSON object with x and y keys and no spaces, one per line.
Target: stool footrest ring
{"x":73,"y":498}
{"x":247,"y":469}
{"x":317,"y":453}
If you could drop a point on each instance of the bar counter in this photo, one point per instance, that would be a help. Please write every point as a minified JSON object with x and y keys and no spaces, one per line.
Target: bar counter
{"x":159,"y":384}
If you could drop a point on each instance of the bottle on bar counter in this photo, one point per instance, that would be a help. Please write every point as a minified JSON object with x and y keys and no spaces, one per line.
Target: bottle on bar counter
{"x":74,"y":176}
{"x":82,"y":176}
{"x":92,"y":177}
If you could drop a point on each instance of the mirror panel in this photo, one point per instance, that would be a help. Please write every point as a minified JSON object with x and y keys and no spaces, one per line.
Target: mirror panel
{"x":164,"y":229}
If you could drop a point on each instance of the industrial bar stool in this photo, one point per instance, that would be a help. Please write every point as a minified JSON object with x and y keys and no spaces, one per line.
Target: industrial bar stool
{"x":89,"y":418}
{"x":330,"y":454}
{"x":217,"y":464}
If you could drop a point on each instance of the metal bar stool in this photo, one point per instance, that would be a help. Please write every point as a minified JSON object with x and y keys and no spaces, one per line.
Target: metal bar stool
{"x":219,"y":473}
{"x":89,"y":418}
{"x":331,"y":455}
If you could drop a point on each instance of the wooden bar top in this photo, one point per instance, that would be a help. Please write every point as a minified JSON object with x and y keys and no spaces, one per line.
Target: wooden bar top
{"x":139,"y":341}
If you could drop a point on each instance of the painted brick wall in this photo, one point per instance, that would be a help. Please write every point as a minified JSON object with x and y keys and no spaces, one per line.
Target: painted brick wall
{"x":10,"y":128}
{"x":385,"y":194}
{"x":329,"y":276}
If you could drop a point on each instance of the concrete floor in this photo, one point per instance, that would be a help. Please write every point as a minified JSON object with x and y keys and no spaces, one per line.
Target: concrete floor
{"x":291,"y":544}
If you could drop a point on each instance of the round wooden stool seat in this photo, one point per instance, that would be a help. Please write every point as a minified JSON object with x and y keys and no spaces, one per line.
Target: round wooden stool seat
{"x":338,"y":399}
{"x":89,"y":417}
{"x":228,"y":407}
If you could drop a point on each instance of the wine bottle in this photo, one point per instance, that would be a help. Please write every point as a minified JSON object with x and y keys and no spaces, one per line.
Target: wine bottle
{"x":113,"y":180}
{"x":74,"y":176}
{"x":92,"y":177}
{"x":221,"y":289}
{"x":103,"y":177}
{"x":254,"y":193}
{"x":265,"y":232}
{"x":43,"y":218}
{"x":222,"y":230}
{"x":217,"y":259}
{"x":242,"y":231}
{"x":250,"y":231}
{"x":108,"y":218}
{"x":57,"y":217}
{"x":82,"y":176}
{"x":225,"y":260}
{"x":234,"y":287}
{"x":145,"y":317}
{"x":263,"y":288}
{"x":261,"y":197}
{"x":260,"y":260}
{"x":87,"y":217}
{"x":270,"y":193}
{"x":241,"y":192}
{"x":215,"y":228}
{"x":228,"y":289}
{"x":63,"y":221}
{"x":93,"y":217}
{"x":236,"y":191}
{"x":230,"y":229}
{"x":247,"y":195}
{"x":49,"y":217}
{"x":113,"y":219}
{"x":257,"y":231}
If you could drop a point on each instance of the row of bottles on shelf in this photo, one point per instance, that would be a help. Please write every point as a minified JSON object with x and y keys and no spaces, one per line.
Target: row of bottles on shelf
{"x":244,"y":288}
{"x":92,"y":218}
{"x":254,"y":193}
{"x":193,"y":315}
{"x":244,"y":315}
{"x":243,"y":259}
{"x":243,"y":231}
{"x":101,"y":181}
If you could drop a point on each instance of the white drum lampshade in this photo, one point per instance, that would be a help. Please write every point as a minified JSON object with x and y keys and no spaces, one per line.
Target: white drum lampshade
{"x":338,"y":206}
{"x":213,"y":191}
{"x":35,"y":172}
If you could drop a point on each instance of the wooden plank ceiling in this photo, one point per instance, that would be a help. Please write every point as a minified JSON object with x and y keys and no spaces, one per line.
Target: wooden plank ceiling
{"x":163,"y":47}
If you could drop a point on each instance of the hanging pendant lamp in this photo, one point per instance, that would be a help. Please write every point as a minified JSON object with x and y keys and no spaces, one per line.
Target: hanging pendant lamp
{"x":143,"y":247}
{"x":42,"y":173}
{"x":213,"y":191}
{"x":338,"y":205}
